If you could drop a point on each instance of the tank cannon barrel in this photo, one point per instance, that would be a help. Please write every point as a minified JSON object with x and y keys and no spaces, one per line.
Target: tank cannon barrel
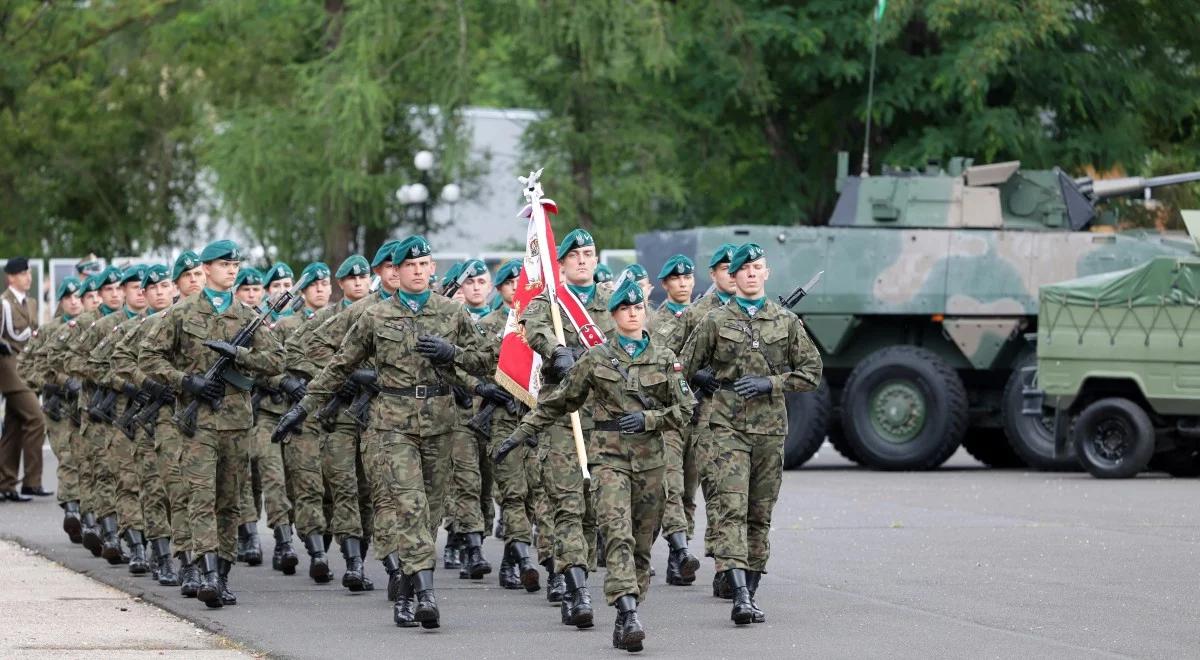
{"x":1106,"y":188}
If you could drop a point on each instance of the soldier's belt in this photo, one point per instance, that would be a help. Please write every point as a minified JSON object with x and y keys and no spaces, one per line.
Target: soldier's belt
{"x":418,"y":392}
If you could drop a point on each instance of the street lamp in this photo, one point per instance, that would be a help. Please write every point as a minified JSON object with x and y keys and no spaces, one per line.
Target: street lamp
{"x":418,"y":194}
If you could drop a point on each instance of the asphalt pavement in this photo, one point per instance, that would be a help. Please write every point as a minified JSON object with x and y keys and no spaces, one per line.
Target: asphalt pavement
{"x":958,"y":562}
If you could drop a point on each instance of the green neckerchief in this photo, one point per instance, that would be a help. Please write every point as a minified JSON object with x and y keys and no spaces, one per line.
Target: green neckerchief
{"x":722,"y":296}
{"x":584,"y":293}
{"x":308,"y":312}
{"x":751,"y":307}
{"x":413,"y":301}
{"x":105,"y":310}
{"x":633,"y":347}
{"x":150,"y":311}
{"x":129,"y":313}
{"x":479,"y":312}
{"x":220,"y":300}
{"x":66,"y":318}
{"x":346,"y":302}
{"x":676,"y":308}
{"x":384,"y":295}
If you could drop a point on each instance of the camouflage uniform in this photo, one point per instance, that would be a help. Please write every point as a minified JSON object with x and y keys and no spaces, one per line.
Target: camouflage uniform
{"x":289,"y":474}
{"x":58,"y":352}
{"x":682,"y":473}
{"x":35,"y":364}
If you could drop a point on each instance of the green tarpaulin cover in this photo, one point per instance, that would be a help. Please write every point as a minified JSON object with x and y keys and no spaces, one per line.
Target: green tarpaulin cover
{"x":1161,"y":280}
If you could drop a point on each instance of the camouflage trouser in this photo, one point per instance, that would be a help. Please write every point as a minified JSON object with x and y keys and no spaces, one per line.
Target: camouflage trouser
{"x":104,"y":468}
{"x":702,"y":449}
{"x":266,"y":465}
{"x":383,"y":520}
{"x":517,"y":510}
{"x":541,"y":515}
{"x":302,"y":458}
{"x":678,"y":516}
{"x":214,"y":464}
{"x":628,"y":508}
{"x":84,"y":454}
{"x":349,"y":514}
{"x":59,"y":435}
{"x":463,"y":481}
{"x":410,"y":469}
{"x":128,"y":487}
{"x":168,"y":449}
{"x":568,"y":500}
{"x":155,"y":507}
{"x":487,"y":481}
{"x":748,"y":470}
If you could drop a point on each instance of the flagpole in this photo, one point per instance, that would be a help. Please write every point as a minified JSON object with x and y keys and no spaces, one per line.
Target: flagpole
{"x":866,"y":157}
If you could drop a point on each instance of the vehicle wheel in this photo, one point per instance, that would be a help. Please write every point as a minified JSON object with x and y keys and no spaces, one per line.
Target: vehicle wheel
{"x":1113,"y":438}
{"x":904,"y":408}
{"x":808,"y":419}
{"x":1177,"y":463}
{"x":837,"y":438}
{"x":1032,"y":438}
{"x":990,"y":447}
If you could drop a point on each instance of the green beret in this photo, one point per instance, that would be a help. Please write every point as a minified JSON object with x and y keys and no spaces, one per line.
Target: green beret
{"x":576,"y":239}
{"x":279,"y":271}
{"x":603,"y":274}
{"x":475,"y":268}
{"x":90,"y":267}
{"x":413,"y":247}
{"x":90,"y":283}
{"x":248,"y":276}
{"x":452,"y":274}
{"x":507,"y":271}
{"x":629,"y":293}
{"x":636,"y":272}
{"x":353,"y":266}
{"x":68,"y":287}
{"x":111,"y":275}
{"x":721,"y":255}
{"x":384,"y":253}
{"x":134,"y":274}
{"x":183,"y":263}
{"x":223,"y":249}
{"x":746,"y":253}
{"x":677,"y":265}
{"x":154,"y":274}
{"x":313,"y":273}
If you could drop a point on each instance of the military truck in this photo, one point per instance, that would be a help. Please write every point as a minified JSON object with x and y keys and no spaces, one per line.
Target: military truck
{"x":930,"y":288}
{"x":1119,"y":363}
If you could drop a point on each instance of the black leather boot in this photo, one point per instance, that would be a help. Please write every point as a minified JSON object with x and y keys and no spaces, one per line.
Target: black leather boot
{"x":153,"y":561}
{"x":405,"y":608}
{"x":391,"y":564}
{"x":137,"y":552}
{"x":111,"y":550}
{"x":474,"y":562}
{"x":241,"y":543}
{"x":631,"y":632}
{"x":720,"y":586}
{"x":167,"y":576}
{"x":318,"y":564}
{"x":577,"y":603}
{"x":352,"y":579}
{"x":530,"y":578}
{"x":252,"y":553}
{"x":71,"y":522}
{"x":283,"y":547}
{"x":508,"y":571}
{"x":451,"y":554}
{"x":752,"y":580}
{"x":91,"y":534}
{"x":500,"y":528}
{"x":682,"y":565}
{"x":225,"y":596}
{"x":209,"y":567}
{"x":743,"y":611}
{"x":189,"y":576}
{"x":427,"y":610}
{"x":556,"y":585}
{"x":368,"y":585}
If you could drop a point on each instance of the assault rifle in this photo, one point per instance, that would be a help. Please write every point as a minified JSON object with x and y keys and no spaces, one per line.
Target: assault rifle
{"x":798,"y":294}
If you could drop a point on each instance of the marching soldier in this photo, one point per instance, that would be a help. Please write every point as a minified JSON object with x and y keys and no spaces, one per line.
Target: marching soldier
{"x":178,"y":353}
{"x":419,"y":344}
{"x":638,"y":395}
{"x":637,"y":273}
{"x":757,"y":351}
{"x":24,"y":424}
{"x":564,"y":485}
{"x":249,"y":287}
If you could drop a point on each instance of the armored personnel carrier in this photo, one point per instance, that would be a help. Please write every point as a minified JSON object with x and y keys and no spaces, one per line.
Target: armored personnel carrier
{"x":930,"y":290}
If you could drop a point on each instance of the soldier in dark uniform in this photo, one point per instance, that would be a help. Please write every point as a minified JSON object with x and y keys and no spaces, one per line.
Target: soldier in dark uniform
{"x":24,"y":425}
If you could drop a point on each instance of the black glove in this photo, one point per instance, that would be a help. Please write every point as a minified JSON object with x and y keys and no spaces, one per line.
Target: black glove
{"x":751,"y":386}
{"x":5,"y":349}
{"x":224,"y":348}
{"x":202,"y":388}
{"x":73,"y":388}
{"x":294,"y":387}
{"x":142,"y":397}
{"x":461,"y":396}
{"x":49,"y":390}
{"x":436,"y":349}
{"x":290,"y":422}
{"x":494,"y":393}
{"x":578,"y":352}
{"x":705,"y":380}
{"x":510,"y":443}
{"x":130,"y":390}
{"x":561,"y":361}
{"x":634,"y":422}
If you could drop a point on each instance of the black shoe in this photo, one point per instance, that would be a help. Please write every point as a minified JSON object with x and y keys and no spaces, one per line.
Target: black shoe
{"x":283,"y":547}
{"x":577,"y":603}
{"x":137,"y":552}
{"x":632,"y":633}
{"x":352,"y":579}
{"x":477,"y":567}
{"x":37,"y":491}
{"x":427,"y":610}
{"x":524,"y":566}
{"x":91,"y":534}
{"x":111,"y":548}
{"x":681,"y":565}
{"x":720,"y":586}
{"x":404,"y":611}
{"x":13,"y":496}
{"x":508,"y":574}
{"x":226,"y":596}
{"x":752,"y":580}
{"x":318,"y":564}
{"x":71,"y":522}
{"x":743,"y":611}
{"x":619,"y":631}
{"x":240,"y":553}
{"x":167,"y":576}
{"x":556,"y":585}
{"x":500,"y":530}
{"x":451,"y":554}
{"x":189,"y":576}
{"x":391,"y":565}
{"x":252,"y":553}
{"x":208,"y":566}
